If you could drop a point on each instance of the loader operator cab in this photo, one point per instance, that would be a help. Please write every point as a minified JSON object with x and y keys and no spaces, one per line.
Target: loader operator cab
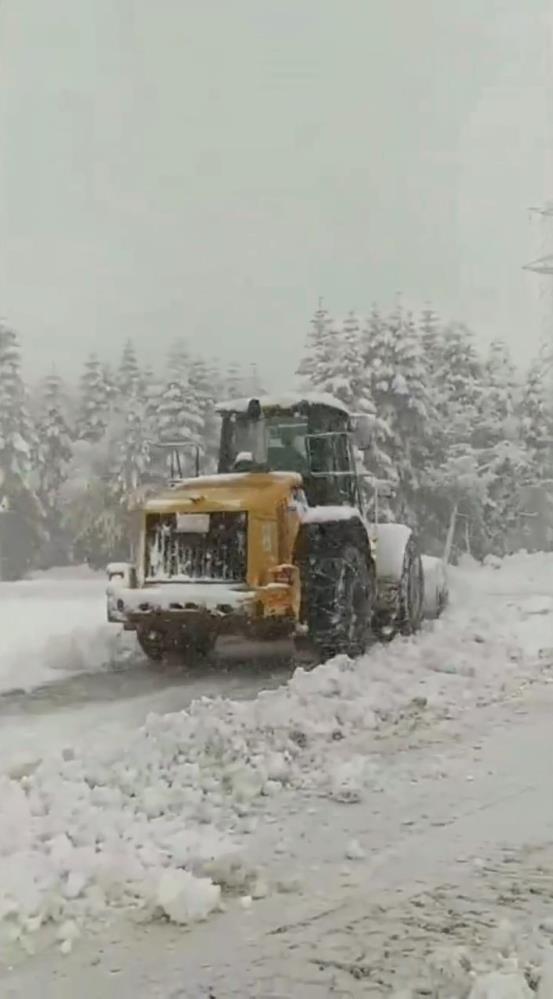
{"x":308,"y":435}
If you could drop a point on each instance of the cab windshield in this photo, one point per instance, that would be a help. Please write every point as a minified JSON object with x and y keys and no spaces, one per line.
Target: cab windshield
{"x":275,"y":443}
{"x":286,"y":445}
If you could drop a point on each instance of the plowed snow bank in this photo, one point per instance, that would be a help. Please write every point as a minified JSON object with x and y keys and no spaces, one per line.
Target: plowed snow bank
{"x":56,"y":623}
{"x":85,"y":832}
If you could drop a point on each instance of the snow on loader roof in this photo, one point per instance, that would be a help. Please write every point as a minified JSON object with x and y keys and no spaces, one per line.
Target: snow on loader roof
{"x":286,"y":401}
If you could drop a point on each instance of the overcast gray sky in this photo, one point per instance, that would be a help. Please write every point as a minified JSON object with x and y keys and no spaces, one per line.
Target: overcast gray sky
{"x":210,"y":167}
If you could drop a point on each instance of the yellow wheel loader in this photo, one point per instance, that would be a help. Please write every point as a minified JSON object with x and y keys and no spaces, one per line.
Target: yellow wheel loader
{"x":275,"y":545}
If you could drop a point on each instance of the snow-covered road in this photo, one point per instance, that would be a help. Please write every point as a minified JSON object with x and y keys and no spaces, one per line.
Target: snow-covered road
{"x":314,"y":797}
{"x":432,"y":882}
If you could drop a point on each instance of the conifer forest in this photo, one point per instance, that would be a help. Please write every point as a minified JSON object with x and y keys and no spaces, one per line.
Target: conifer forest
{"x":462,"y":439}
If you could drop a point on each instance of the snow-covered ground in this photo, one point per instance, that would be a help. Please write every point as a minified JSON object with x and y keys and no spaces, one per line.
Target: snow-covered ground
{"x":55,"y":624}
{"x":174,"y":817}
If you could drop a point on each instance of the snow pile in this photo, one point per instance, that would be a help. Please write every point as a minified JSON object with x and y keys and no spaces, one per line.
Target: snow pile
{"x":56,"y":623}
{"x":511,"y":963}
{"x":186,"y":899}
{"x":84,"y":832}
{"x":501,"y":985}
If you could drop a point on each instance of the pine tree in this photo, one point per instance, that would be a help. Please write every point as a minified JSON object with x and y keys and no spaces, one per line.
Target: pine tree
{"x":54,"y":441}
{"x":203,"y":385}
{"x":414,"y":416}
{"x":456,"y":479}
{"x":318,"y":353}
{"x":430,"y":340}
{"x":133,"y":449}
{"x":399,"y":390}
{"x":178,"y":362}
{"x":16,"y":432}
{"x":22,"y":518}
{"x":94,"y":403}
{"x":536,"y":420}
{"x":128,"y":373}
{"x":340,"y":367}
{"x":499,"y":399}
{"x":460,"y":378}
{"x":378,"y":460}
{"x":54,"y":455}
{"x":178,"y":419}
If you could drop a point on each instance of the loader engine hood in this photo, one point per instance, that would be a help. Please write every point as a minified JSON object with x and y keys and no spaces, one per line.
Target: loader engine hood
{"x":255,"y":492}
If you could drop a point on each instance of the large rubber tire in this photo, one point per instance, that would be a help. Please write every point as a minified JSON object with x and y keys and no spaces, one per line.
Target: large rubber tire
{"x":152,"y":644}
{"x":340,"y":591}
{"x":159,"y":648}
{"x":401,"y":607}
{"x":411,"y":590}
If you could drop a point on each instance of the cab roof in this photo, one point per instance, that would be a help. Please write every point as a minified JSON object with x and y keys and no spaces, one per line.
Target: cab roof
{"x":292,"y":400}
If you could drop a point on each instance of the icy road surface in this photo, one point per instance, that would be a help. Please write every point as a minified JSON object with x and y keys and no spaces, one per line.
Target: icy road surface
{"x":353,"y":822}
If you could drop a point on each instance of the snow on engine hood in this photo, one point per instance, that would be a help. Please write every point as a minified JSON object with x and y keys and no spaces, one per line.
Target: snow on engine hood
{"x":236,"y":491}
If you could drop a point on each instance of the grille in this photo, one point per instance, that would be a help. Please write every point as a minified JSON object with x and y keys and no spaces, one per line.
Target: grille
{"x":218,"y":556}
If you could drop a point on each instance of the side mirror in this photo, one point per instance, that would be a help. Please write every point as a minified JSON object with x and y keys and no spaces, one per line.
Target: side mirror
{"x":363,"y":430}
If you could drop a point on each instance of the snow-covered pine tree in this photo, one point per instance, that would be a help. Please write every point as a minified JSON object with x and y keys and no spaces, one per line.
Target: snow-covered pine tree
{"x":178,"y":362}
{"x":110,"y":382}
{"x":178,"y":418}
{"x":461,"y":379}
{"x":180,"y":397}
{"x":133,"y":449}
{"x":376,"y":378}
{"x":499,"y":399}
{"x":415,"y":417}
{"x":399,"y":390}
{"x":54,"y":441}
{"x":506,"y":472}
{"x":501,"y":453}
{"x":22,"y":527}
{"x":203,"y":385}
{"x":319,"y":347}
{"x":94,"y":401}
{"x":128,"y":375}
{"x":429,"y":325}
{"x":536,"y":420}
{"x":340,"y":368}
{"x":456,"y":454}
{"x":54,"y":455}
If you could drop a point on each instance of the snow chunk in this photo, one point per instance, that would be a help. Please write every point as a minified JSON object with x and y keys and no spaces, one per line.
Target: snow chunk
{"x":186,"y":899}
{"x":354,"y":851}
{"x":498,"y":985}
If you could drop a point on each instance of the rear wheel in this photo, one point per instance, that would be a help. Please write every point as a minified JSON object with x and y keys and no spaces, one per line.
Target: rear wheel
{"x":339,"y":598}
{"x":401,"y":603}
{"x":411,"y":591}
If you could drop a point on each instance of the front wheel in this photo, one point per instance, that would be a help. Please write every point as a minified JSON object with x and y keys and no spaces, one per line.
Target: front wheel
{"x":152,"y":643}
{"x":340,"y":592}
{"x":174,"y":647}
